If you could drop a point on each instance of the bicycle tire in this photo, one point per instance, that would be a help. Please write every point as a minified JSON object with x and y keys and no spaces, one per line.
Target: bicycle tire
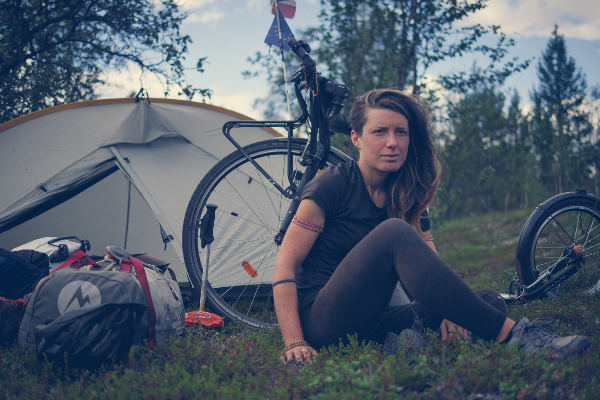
{"x":555,"y":227}
{"x":249,"y":211}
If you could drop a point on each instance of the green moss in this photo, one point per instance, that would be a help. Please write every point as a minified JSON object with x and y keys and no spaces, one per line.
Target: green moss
{"x":238,"y":363}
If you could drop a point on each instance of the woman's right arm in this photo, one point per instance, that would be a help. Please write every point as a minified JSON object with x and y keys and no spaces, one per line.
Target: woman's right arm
{"x":296,"y":244}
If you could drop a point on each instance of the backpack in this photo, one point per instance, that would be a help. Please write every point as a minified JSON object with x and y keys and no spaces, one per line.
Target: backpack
{"x":91,"y":312}
{"x":17,"y":275}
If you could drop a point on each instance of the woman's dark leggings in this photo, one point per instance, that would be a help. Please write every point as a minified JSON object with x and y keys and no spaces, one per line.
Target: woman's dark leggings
{"x":355,"y":299}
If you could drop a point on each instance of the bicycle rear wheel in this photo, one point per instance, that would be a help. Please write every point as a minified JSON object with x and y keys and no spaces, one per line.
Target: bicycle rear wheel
{"x":562,"y":223}
{"x":248,"y":215}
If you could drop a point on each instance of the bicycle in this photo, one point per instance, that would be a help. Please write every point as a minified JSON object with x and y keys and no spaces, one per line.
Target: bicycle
{"x":256,"y":190}
{"x":558,"y":251}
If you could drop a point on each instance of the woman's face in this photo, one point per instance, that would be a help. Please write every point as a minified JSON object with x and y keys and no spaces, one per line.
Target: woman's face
{"x":383,"y":144}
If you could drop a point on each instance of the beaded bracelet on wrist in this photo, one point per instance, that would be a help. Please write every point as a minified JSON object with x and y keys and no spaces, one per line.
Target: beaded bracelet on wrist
{"x":295,"y":344}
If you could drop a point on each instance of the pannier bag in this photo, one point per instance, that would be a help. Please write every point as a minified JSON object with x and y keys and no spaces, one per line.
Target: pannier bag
{"x":51,"y":250}
{"x":23,"y":267}
{"x":18,"y":276}
{"x":94,"y":311}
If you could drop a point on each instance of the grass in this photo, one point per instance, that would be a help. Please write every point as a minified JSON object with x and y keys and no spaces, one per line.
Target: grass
{"x":238,"y":363}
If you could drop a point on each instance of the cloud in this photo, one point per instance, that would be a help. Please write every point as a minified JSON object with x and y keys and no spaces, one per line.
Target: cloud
{"x":124,"y":81}
{"x":537,"y":17}
{"x":205,"y":17}
{"x":128,"y":80}
{"x":242,"y":102}
{"x":191,"y":4}
{"x":198,"y":12}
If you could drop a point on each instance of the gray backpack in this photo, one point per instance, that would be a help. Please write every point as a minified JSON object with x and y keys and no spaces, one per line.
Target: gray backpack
{"x":93,"y":311}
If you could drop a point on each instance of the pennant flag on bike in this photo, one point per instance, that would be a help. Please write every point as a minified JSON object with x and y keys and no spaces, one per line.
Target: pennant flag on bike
{"x":272,"y":38}
{"x":287,"y":7}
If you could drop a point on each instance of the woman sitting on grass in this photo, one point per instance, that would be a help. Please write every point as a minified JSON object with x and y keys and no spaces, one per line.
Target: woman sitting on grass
{"x":361,"y":227}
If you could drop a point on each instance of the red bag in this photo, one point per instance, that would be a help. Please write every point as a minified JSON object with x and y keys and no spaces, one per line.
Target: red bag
{"x":203,"y":318}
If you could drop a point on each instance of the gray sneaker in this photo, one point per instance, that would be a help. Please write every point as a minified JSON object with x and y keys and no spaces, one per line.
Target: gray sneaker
{"x":532,"y":337}
{"x":410,"y":341}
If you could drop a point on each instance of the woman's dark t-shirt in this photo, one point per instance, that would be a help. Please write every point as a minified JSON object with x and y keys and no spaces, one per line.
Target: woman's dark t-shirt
{"x":350,"y":215}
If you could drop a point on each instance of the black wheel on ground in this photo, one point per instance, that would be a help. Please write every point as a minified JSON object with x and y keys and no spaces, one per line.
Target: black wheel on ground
{"x":566,"y":222}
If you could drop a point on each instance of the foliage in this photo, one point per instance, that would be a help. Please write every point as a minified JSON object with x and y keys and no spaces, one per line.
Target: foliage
{"x":375,"y":43}
{"x":394,"y":43}
{"x":487,"y":156}
{"x":561,"y":126}
{"x":496,"y":157}
{"x":53,"y":51}
{"x":236,"y":363}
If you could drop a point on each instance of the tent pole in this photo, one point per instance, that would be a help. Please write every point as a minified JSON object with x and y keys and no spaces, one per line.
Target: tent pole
{"x":128,"y":213}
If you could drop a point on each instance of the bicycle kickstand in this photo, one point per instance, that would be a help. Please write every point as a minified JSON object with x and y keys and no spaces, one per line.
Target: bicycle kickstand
{"x":207,"y":224}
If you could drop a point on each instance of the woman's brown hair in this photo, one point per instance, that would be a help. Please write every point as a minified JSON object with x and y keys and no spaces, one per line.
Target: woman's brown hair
{"x":411,"y":189}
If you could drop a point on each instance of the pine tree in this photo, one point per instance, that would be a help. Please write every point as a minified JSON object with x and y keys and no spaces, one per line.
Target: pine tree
{"x":560,"y":123}
{"x":476,"y":172}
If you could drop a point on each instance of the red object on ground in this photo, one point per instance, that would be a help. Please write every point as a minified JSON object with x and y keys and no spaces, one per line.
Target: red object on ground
{"x":203,"y":318}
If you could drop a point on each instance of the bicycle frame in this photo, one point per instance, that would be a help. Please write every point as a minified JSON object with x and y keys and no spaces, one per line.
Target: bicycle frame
{"x":547,"y":280}
{"x":325,"y":106}
{"x":290,"y":126}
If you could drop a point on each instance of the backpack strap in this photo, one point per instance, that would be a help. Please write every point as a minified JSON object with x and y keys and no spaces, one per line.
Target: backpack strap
{"x":77,"y":260}
{"x":140,"y":272}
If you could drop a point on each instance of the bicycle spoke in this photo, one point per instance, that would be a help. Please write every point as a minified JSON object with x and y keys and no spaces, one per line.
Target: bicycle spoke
{"x":593,"y":254}
{"x":591,"y":247}
{"x":590,"y":231}
{"x":261,"y":177}
{"x":563,"y":229}
{"x":560,"y":245}
{"x":264,"y":270}
{"x":239,"y":217}
{"x":235,"y":241}
{"x":283,"y":175}
{"x":552,"y":247}
{"x":248,"y":205}
{"x":550,"y":262}
{"x":547,"y":257}
{"x":246,"y":287}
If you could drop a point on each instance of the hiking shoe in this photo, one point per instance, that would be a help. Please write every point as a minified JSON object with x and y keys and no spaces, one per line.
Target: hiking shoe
{"x":410,"y":341}
{"x":532,"y":337}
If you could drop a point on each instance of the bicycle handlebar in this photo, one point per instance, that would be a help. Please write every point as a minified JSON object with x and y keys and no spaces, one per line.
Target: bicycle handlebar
{"x":336,"y":93}
{"x":301,"y":49}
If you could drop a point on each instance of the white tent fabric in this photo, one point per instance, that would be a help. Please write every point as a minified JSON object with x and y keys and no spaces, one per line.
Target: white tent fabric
{"x":64,"y":158}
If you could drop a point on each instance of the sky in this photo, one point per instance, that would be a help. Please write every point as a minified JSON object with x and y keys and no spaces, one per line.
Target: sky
{"x":228,"y":32}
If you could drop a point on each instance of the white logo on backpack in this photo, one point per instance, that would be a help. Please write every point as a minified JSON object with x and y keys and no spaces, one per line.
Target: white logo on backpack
{"x":78,"y":294}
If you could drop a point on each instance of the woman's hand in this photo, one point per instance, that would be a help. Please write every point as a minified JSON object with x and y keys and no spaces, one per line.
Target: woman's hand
{"x":450,"y":330}
{"x":303,"y":354}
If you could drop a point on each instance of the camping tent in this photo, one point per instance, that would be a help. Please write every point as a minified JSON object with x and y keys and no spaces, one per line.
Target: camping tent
{"x":115,"y":172}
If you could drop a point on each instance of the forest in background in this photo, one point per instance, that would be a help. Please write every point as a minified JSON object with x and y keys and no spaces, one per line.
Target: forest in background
{"x":498,"y":151}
